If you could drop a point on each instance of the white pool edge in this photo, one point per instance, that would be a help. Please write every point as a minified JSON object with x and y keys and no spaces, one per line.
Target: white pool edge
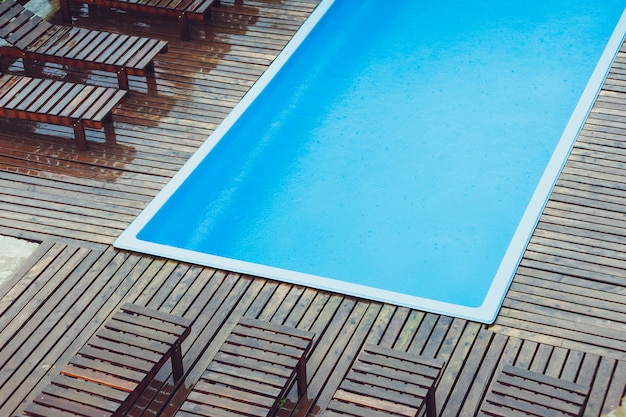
{"x":487,"y":312}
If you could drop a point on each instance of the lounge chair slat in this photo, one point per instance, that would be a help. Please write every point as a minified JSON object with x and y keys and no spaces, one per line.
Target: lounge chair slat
{"x":79,"y":95}
{"x":57,"y":102}
{"x":183,"y":10}
{"x":14,"y":23}
{"x":151,"y":324}
{"x":250,"y":370}
{"x":156,"y":314}
{"x":208,"y":386}
{"x":215,"y":406}
{"x":38,"y":32}
{"x":358,"y":378}
{"x":81,"y":397}
{"x":38,"y":40}
{"x":89,"y":389}
{"x":65,"y":36}
{"x":84,"y":39}
{"x":142,"y":343}
{"x":90,"y":105}
{"x":52,"y":92}
{"x":102,"y":107}
{"x":106,"y":368}
{"x":127,"y":361}
{"x":387,"y":382}
{"x":25,"y":98}
{"x":97,"y":382}
{"x":102,"y":41}
{"x":120,"y":348}
{"x":22,"y":30}
{"x":357,"y":408}
{"x":520,"y":392}
{"x":41,"y":45}
{"x":245,"y":378}
{"x":10,"y":86}
{"x":235,"y":362}
{"x":544,"y":379}
{"x":152,"y":336}
{"x":252,"y":383}
{"x":151,"y":48}
{"x":381,"y":392}
{"x":73,"y":97}
{"x":69,"y":43}
{"x":102,"y":52}
{"x":128,"y":49}
{"x":395,"y":368}
{"x":49,"y":406}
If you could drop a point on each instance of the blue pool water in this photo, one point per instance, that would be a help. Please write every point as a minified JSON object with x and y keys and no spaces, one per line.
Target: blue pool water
{"x":400,"y":151}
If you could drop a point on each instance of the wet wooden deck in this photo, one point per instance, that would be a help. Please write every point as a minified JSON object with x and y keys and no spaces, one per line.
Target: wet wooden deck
{"x":564,"y":314}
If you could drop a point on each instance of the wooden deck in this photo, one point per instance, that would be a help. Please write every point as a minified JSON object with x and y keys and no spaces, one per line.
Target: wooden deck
{"x":563,"y":316}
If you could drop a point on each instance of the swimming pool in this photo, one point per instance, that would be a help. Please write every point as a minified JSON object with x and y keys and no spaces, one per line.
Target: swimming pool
{"x":398,"y":151}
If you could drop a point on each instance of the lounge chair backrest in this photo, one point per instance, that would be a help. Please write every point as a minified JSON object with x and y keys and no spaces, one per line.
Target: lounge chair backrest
{"x":251,"y":373}
{"x":520,"y":392}
{"x":116,"y":364}
{"x":18,"y":25}
{"x":387,"y":382}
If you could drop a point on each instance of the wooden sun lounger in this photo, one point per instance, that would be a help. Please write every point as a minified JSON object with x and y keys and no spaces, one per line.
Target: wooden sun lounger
{"x":115,"y":366}
{"x":58,"y":103}
{"x":386,"y":382}
{"x":252,"y":371}
{"x":183,"y":10}
{"x":31,"y":38}
{"x":521,"y":393}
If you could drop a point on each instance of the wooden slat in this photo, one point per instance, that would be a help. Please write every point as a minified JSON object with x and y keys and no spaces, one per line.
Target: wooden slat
{"x":388,"y":382}
{"x":183,"y":10}
{"x":62,"y":103}
{"x":252,"y":370}
{"x":566,"y":294}
{"x":525,"y":393}
{"x":79,"y":47}
{"x":92,"y":369}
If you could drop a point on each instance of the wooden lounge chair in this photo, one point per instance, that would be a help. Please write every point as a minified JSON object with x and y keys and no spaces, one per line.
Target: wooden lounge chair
{"x":59,"y":103}
{"x":252,"y":371}
{"x":29,"y":37}
{"x":183,"y":10}
{"x":521,"y":393}
{"x":385,"y":383}
{"x":115,"y":366}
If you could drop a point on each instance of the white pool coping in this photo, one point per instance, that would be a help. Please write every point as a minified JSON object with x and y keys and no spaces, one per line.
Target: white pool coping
{"x":487,"y":312}
{"x":13,"y":253}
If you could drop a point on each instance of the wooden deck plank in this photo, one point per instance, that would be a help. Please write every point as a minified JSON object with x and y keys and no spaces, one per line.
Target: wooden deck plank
{"x":472,"y":353}
{"x":562,"y":316}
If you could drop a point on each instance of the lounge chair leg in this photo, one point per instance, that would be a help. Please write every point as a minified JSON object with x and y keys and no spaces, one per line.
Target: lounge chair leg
{"x":122,"y":78}
{"x":66,"y":12}
{"x":79,"y":135}
{"x":177,"y":361}
{"x":301,"y":377}
{"x":431,"y":410}
{"x":183,"y":26}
